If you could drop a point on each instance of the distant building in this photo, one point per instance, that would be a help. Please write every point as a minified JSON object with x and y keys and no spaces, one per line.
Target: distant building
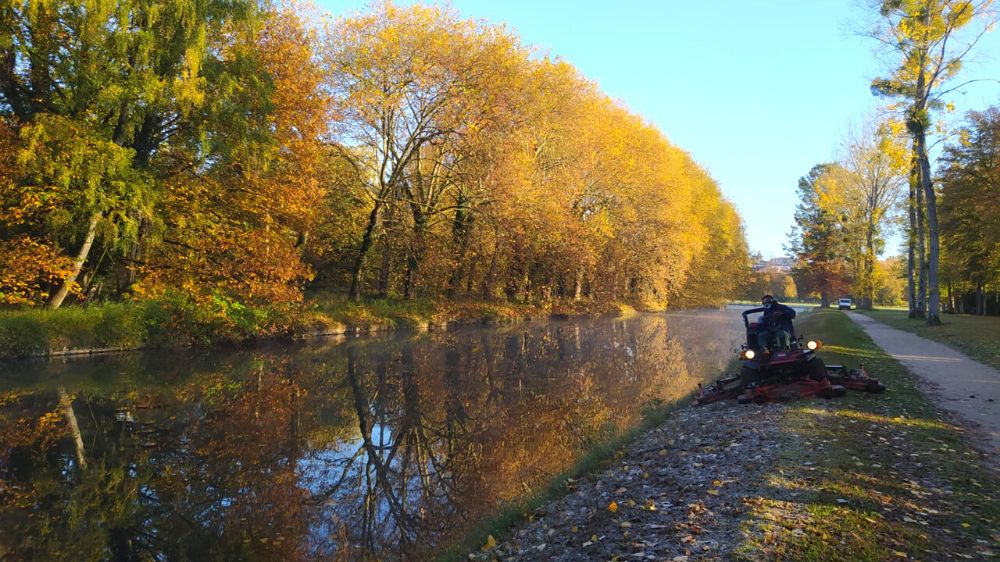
{"x":783,"y":264}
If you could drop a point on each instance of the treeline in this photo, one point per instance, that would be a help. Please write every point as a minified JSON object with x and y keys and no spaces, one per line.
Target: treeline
{"x":885,"y":178}
{"x":848,"y":207}
{"x":232,"y":152}
{"x":846,"y":210}
{"x":970,"y":216}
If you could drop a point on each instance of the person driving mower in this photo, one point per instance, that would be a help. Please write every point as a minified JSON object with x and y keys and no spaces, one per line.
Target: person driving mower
{"x":775,"y":324}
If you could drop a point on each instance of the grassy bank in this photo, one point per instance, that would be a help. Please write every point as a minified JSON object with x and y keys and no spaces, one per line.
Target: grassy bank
{"x":176,"y":321}
{"x":976,"y":336}
{"x":872,"y":477}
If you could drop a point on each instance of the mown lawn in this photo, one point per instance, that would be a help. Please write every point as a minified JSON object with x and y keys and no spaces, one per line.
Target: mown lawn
{"x":872,"y":477}
{"x":976,"y":336}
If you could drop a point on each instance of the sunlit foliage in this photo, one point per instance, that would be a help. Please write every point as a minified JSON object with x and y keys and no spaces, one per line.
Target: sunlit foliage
{"x":970,"y":217}
{"x":234,"y":152}
{"x":930,"y":40}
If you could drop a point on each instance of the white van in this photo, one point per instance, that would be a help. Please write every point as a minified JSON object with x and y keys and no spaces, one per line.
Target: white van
{"x":844,"y":304}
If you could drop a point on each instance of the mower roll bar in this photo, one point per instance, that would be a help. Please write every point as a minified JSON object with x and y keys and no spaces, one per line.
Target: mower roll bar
{"x":746,"y":322}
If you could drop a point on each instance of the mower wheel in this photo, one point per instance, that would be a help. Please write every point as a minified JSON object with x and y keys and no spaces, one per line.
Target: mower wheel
{"x":833,"y":391}
{"x":748,"y":375}
{"x":875,"y":387}
{"x":816,"y":369}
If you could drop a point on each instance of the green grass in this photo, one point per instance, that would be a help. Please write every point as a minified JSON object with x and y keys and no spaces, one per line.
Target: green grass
{"x":34,"y":331}
{"x":176,"y":321}
{"x":887,"y":479}
{"x":976,"y":336}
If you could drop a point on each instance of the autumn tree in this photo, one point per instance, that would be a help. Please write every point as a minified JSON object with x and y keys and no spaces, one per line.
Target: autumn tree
{"x":818,"y":239}
{"x":95,"y":89}
{"x":926,"y":35}
{"x":411,"y":85}
{"x":244,"y":225}
{"x":970,"y":219}
{"x":875,"y":163}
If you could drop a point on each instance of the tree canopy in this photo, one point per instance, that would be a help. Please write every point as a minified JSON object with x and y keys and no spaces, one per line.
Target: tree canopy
{"x":233,"y":153}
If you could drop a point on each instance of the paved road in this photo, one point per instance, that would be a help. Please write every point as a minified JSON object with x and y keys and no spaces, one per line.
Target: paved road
{"x":963,"y":386}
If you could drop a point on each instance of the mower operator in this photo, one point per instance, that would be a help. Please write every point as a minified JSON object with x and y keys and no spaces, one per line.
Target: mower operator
{"x":776,"y":323}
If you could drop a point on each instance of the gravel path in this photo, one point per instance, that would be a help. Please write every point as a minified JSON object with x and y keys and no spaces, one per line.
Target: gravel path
{"x":958,"y":384}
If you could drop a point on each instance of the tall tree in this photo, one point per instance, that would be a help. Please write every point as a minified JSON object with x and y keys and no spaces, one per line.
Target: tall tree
{"x":970,"y":218}
{"x":411,"y":85}
{"x":925,"y":35}
{"x":120,"y":77}
{"x":876,"y":164}
{"x":818,"y":240}
{"x":239,"y":226}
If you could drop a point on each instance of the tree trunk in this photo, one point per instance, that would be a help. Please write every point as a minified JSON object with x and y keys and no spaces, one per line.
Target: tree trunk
{"x":56,"y":300}
{"x":386,"y":269}
{"x":824,"y":299}
{"x":921,"y":248}
{"x":460,"y":244}
{"x":66,"y":403}
{"x":415,"y":255}
{"x":933,"y":234}
{"x":868,"y":298}
{"x":911,"y":244}
{"x":366,"y":243}
{"x":490,"y":279}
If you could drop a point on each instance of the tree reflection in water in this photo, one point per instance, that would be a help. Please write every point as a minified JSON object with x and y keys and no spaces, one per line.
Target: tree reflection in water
{"x":371,"y":449}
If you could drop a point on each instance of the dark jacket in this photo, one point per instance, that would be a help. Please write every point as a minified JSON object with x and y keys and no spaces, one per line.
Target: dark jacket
{"x":778,"y":317}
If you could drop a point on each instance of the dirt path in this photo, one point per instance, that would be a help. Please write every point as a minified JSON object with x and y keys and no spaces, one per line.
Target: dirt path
{"x":960,"y":385}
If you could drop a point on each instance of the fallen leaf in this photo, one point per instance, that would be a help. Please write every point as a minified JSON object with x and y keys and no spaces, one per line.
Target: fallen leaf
{"x":613,"y":507}
{"x":491,"y":543}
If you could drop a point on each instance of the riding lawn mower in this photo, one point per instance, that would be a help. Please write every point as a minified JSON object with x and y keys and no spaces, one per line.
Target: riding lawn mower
{"x":775,"y":373}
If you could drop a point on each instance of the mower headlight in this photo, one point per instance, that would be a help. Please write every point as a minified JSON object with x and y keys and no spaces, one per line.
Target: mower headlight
{"x":749,"y":354}
{"x":814,"y":344}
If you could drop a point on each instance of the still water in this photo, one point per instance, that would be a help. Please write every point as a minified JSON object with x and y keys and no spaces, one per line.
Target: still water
{"x":366,"y":449}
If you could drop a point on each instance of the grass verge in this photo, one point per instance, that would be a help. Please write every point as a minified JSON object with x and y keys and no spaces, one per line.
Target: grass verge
{"x":976,"y":336}
{"x":178,"y":321}
{"x":872,"y":477}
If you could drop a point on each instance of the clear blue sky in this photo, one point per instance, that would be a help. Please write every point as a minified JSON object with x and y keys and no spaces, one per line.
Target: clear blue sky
{"x":757,"y":92}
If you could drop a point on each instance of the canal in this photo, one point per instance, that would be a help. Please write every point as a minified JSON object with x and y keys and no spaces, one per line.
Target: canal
{"x":387,"y":447}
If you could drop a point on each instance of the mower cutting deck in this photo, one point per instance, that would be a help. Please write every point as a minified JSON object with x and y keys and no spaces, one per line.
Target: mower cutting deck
{"x":837,"y":382}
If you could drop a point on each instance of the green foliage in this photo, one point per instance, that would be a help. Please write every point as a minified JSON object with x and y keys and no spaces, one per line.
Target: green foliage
{"x":818,"y":240}
{"x":970,"y":218}
{"x":33,"y":332}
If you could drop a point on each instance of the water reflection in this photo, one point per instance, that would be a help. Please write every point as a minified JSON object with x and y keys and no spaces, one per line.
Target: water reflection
{"x":370,"y":449}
